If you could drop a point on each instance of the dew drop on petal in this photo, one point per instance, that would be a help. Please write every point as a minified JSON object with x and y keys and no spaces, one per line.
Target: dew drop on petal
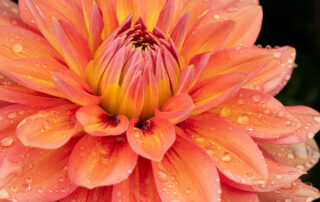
{"x":17,"y":48}
{"x":310,"y":135}
{"x":7,"y":141}
{"x":12,"y":115}
{"x":162,"y":176}
{"x":226,"y":157}
{"x":290,"y":156}
{"x":188,"y":191}
{"x":243,"y":119}
{"x":256,"y":98}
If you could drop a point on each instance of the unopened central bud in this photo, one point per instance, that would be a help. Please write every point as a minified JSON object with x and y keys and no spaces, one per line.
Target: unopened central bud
{"x":134,"y":71}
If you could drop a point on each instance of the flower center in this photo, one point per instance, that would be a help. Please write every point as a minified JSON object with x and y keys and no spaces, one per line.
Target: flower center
{"x":134,"y":71}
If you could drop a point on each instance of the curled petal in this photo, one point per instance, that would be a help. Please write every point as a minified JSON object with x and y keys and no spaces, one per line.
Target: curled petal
{"x":215,"y":90}
{"x":87,"y":195}
{"x":74,"y":88}
{"x":295,"y":191}
{"x":104,"y":161}
{"x":33,"y":73}
{"x":186,"y":173}
{"x":138,"y":186}
{"x":277,"y":73}
{"x":17,"y":43}
{"x":230,"y":194}
{"x":176,"y":109}
{"x":260,"y":114}
{"x":97,"y":122}
{"x":152,"y":138}
{"x":303,"y":155}
{"x":235,"y":154}
{"x":48,"y":129}
{"x":28,"y":174}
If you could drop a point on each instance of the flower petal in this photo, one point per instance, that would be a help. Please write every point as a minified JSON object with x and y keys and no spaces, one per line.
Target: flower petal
{"x":10,"y":117}
{"x":179,"y":32}
{"x":97,"y":122}
{"x":260,"y":114}
{"x":33,"y":73}
{"x":9,"y":14}
{"x":87,"y":195}
{"x":139,"y":186}
{"x":17,"y":43}
{"x":186,"y":173}
{"x":309,"y":125}
{"x":28,"y":174}
{"x":74,"y":88}
{"x":50,"y":128}
{"x":278,"y":175}
{"x":176,"y":109}
{"x":109,"y":15}
{"x":21,"y":95}
{"x":165,"y":17}
{"x":235,"y":154}
{"x":296,"y":191}
{"x":104,"y":161}
{"x":152,"y":138}
{"x":277,"y":73}
{"x":215,"y":90}
{"x":211,"y":37}
{"x":230,"y":194}
{"x":303,"y":155}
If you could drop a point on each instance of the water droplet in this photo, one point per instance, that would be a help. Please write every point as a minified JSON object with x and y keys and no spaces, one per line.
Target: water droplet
{"x":277,"y":54}
{"x":317,"y":119}
{"x":256,"y":98}
{"x":310,"y":135}
{"x":243,"y":119}
{"x":7,"y":141}
{"x":216,"y":16}
{"x":4,"y":194}
{"x":162,"y":176}
{"x":280,"y":114}
{"x":17,"y":48}
{"x":40,"y":190}
{"x":290,"y":156}
{"x":12,"y":115}
{"x":225,"y":112}
{"x":188,"y":191}
{"x":219,"y":191}
{"x":278,"y":177}
{"x":226,"y":157}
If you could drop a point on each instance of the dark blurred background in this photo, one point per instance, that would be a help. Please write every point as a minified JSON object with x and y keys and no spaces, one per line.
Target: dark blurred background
{"x":297,"y":23}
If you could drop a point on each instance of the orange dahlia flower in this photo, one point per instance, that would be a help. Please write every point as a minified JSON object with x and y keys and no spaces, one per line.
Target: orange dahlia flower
{"x":147,"y":101}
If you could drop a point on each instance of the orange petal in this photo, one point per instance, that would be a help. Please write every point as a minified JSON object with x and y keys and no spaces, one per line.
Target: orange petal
{"x":260,"y":114}
{"x":215,"y":90}
{"x":33,"y":73}
{"x":308,"y":127}
{"x":87,"y":195}
{"x":21,"y":95}
{"x":186,"y":173}
{"x":179,"y":32}
{"x":241,"y":59}
{"x":74,"y":88}
{"x":176,"y":109}
{"x":74,"y":47}
{"x":303,"y":155}
{"x":17,"y":43}
{"x":36,"y":174}
{"x":152,"y":138}
{"x":165,"y":17}
{"x":139,"y":186}
{"x":9,"y":14}
{"x":97,"y":122}
{"x":230,"y":194}
{"x":277,"y":73}
{"x":109,"y":15}
{"x":48,"y":129}
{"x":235,"y":154}
{"x":96,"y":27}
{"x":10,"y":117}
{"x":67,"y":11}
{"x":295,"y":192}
{"x":104,"y":161}
{"x":186,"y":80}
{"x":278,"y":175}
{"x":211,"y":38}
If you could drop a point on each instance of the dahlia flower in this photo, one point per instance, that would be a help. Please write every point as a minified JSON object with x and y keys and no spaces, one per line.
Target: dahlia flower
{"x":136,"y":100}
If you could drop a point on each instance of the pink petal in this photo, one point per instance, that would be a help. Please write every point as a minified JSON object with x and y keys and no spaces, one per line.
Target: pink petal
{"x":139,"y":186}
{"x":234,"y":153}
{"x":28,"y":174}
{"x":230,"y":194}
{"x":152,"y":138}
{"x":186,"y":173}
{"x":97,"y":122}
{"x":87,"y":195}
{"x":50,"y":128}
{"x":74,"y":88}
{"x":104,"y":161}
